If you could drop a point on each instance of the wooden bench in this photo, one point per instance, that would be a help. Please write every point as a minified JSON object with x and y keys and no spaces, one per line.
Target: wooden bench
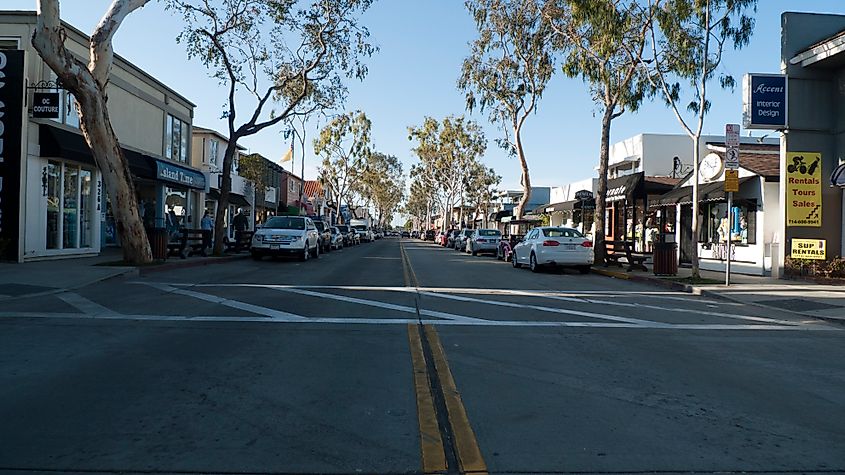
{"x":619,"y":249}
{"x":190,"y":242}
{"x":242,"y":241}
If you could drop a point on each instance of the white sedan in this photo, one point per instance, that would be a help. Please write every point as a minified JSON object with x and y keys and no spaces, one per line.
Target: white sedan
{"x":554,"y":247}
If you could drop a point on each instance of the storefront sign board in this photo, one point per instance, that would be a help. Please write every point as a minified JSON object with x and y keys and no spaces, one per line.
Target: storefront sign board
{"x":764,"y":101}
{"x":804,"y":189}
{"x":731,"y":181}
{"x":182,"y":176}
{"x":808,"y":249}
{"x":11,"y":126}
{"x":45,"y":105}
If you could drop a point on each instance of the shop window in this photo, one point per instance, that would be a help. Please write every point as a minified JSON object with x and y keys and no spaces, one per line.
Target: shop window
{"x":176,"y":139}
{"x":9,"y":43}
{"x":213,"y":150}
{"x":71,"y":110}
{"x":69,"y":206}
{"x":715,"y":226}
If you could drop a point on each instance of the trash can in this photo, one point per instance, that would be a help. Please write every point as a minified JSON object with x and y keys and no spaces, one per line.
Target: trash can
{"x":158,"y":242}
{"x":665,"y":258}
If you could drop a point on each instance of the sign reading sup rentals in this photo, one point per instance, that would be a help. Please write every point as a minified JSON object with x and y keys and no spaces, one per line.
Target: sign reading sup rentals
{"x":808,"y":249}
{"x":804,"y":189}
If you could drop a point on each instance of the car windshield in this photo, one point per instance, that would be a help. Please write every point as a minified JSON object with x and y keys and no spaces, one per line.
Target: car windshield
{"x":321,"y":226}
{"x":334,"y":230}
{"x":360,"y":227}
{"x":468,"y":232}
{"x":285,"y":222}
{"x":561,"y":232}
{"x":489,"y":232}
{"x":343,"y":229}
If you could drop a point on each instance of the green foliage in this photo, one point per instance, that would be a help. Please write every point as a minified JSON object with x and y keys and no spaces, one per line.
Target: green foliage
{"x":381,"y":182}
{"x":509,"y":65}
{"x":254,"y":169}
{"x":344,"y":145}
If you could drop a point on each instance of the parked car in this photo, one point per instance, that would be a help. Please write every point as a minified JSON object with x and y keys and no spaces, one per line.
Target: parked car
{"x":337,"y":238}
{"x":346,"y":231}
{"x":444,"y":237}
{"x":429,"y":235}
{"x":406,"y":234}
{"x":325,"y":235}
{"x":365,"y":234}
{"x":354,"y":236}
{"x":554,"y":247}
{"x":461,"y":240}
{"x":286,"y":235}
{"x":483,"y":240}
{"x":415,"y":235}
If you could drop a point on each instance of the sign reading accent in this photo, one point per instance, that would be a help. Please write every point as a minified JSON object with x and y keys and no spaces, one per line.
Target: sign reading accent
{"x":764,"y":101}
{"x":808,"y":249}
{"x":11,"y":123}
{"x":584,"y":195}
{"x":804,"y":189}
{"x":183,"y":176}
{"x":45,"y":105}
{"x":731,"y":181}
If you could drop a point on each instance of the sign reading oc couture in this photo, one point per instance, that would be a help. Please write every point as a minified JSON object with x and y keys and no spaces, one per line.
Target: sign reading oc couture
{"x":11,"y":108}
{"x":176,"y":174}
{"x":764,"y":104}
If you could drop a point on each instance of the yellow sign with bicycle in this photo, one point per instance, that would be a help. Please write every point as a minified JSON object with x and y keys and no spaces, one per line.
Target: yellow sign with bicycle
{"x":808,"y":249}
{"x":804,"y":189}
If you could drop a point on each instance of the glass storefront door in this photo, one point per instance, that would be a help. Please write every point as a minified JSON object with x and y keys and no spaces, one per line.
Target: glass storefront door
{"x":69,"y":206}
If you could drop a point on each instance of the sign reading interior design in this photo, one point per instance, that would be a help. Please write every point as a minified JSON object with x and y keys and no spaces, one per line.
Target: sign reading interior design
{"x":764,"y":101}
{"x":11,"y":105}
{"x":804,"y":189}
{"x":182,"y":176}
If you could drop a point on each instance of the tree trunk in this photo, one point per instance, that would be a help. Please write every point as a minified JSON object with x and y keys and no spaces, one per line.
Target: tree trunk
{"x":96,"y":127}
{"x":220,"y":233}
{"x":696,"y":223}
{"x":526,"y":181}
{"x":599,"y":247}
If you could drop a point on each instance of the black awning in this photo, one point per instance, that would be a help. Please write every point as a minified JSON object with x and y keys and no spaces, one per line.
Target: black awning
{"x":837,"y":178}
{"x":503,"y":214}
{"x":234,"y":199}
{"x":714,"y":191}
{"x":562,"y":206}
{"x":628,"y":187}
{"x":59,"y":143}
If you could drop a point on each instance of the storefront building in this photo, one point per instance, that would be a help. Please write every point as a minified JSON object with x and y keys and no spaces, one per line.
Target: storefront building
{"x":813,"y":145}
{"x":52,"y":199}
{"x":750,"y":230}
{"x":628,"y":216}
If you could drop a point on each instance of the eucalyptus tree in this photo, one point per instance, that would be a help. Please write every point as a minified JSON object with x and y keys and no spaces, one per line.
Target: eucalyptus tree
{"x":479,"y":186}
{"x":344,"y":145}
{"x":89,"y":85}
{"x":602,"y":43}
{"x":276,"y":59}
{"x":688,"y":41}
{"x":382,"y":183}
{"x":422,"y":194}
{"x":507,"y":71}
{"x":448,"y":149}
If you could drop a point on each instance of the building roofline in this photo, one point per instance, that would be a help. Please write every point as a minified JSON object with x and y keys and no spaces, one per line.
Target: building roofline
{"x":126,"y":64}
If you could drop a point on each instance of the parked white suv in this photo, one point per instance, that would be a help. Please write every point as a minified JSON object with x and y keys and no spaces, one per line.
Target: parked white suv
{"x":286,"y":235}
{"x":365,"y":232}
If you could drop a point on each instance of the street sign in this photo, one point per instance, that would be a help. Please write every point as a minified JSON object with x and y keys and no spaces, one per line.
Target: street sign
{"x":808,"y":249}
{"x":732,"y":135}
{"x":731,"y":181}
{"x":732,"y":159}
{"x":804,"y":190}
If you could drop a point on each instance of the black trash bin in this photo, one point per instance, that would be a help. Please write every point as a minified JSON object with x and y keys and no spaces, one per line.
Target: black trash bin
{"x":158,"y":242}
{"x":665,"y":258}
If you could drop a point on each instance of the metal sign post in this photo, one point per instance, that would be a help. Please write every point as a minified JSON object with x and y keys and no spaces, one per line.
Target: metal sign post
{"x":731,"y":185}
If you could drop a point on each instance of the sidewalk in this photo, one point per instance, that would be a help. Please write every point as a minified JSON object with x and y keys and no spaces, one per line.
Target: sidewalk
{"x":51,"y":276}
{"x":800,"y":297}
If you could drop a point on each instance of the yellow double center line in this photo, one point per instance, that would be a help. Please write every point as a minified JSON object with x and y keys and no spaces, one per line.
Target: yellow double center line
{"x":447,"y":442}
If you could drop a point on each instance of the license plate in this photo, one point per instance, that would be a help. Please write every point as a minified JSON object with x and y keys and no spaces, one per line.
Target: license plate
{"x":274,"y":247}
{"x":569,"y":247}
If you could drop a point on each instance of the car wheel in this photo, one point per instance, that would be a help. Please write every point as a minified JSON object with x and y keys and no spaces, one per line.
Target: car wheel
{"x":514,"y":263}
{"x":474,"y":252}
{"x":532,"y":263}
{"x":316,"y":252}
{"x":256,"y":256}
{"x":584,"y":269}
{"x":498,"y":254}
{"x":306,"y":253}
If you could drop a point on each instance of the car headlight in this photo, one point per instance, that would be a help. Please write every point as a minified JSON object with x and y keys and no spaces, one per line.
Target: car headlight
{"x":258,"y":237}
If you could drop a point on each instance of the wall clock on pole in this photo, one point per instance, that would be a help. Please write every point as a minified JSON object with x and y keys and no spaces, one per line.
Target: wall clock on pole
{"x":711,"y":166}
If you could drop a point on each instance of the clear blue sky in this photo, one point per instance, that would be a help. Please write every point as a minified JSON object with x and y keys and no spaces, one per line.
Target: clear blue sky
{"x":423,"y":43}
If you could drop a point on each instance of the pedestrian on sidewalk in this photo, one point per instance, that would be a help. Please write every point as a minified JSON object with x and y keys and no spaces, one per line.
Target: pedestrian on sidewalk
{"x":207,"y":225}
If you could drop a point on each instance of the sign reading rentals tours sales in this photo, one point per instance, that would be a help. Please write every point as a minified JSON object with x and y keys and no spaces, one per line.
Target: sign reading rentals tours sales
{"x":11,"y":107}
{"x":804,"y":189}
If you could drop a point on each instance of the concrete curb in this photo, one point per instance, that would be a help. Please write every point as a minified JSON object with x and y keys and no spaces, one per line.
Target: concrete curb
{"x":188,"y":264}
{"x":703,"y":292}
{"x":124,"y":272}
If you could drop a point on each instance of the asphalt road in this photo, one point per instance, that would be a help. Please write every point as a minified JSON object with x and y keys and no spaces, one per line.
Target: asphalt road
{"x":404,"y":357}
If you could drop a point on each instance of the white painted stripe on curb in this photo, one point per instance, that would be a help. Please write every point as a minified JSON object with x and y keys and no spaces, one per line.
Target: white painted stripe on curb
{"x":85,"y":305}
{"x":248,"y":307}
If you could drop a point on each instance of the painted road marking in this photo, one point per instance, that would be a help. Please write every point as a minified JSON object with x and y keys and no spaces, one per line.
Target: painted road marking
{"x":466,"y":445}
{"x":404,"y":321}
{"x":431,"y":443}
{"x":248,"y":307}
{"x":86,"y":306}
